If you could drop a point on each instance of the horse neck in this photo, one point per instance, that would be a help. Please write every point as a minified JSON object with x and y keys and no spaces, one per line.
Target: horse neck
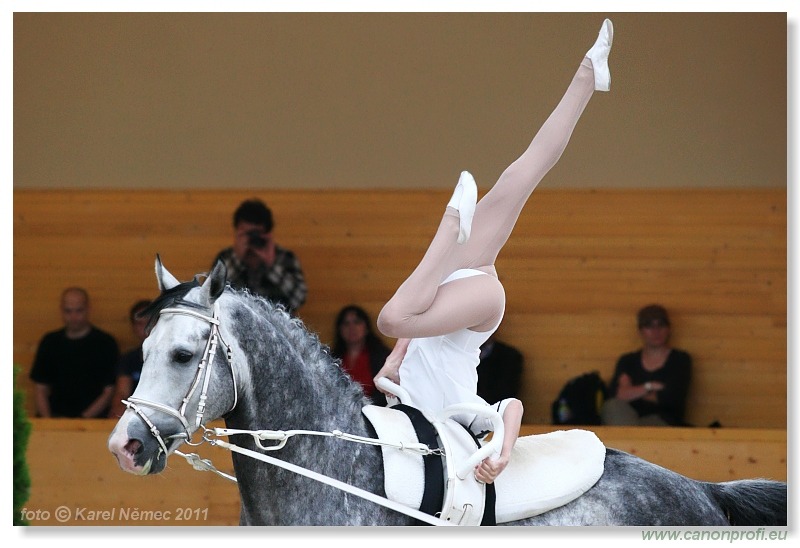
{"x":294,"y":384}
{"x":293,"y":381}
{"x":302,"y":404}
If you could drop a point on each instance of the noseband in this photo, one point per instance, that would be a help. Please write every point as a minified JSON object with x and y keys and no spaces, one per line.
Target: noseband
{"x":203,"y":374}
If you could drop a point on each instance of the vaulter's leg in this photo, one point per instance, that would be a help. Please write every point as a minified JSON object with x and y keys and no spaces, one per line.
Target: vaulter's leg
{"x":471,"y":236}
{"x":421,"y":307}
{"x":498,"y":211}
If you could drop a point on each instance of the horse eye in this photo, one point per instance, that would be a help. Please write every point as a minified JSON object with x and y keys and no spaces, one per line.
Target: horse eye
{"x":182,"y":356}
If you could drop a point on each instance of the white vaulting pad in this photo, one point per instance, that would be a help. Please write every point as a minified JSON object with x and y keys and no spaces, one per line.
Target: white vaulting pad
{"x":547,"y":471}
{"x":404,"y":471}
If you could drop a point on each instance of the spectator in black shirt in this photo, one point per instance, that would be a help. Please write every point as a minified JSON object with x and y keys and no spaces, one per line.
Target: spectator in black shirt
{"x":74,"y":368}
{"x":650,"y":386}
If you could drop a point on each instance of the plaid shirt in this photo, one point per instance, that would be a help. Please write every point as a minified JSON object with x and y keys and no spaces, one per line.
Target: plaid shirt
{"x":283,"y":283}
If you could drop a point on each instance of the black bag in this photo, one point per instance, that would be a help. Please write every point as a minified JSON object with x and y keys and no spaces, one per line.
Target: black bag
{"x":580,"y":400}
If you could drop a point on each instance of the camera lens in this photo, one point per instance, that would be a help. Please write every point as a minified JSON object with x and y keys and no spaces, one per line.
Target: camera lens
{"x":256,"y":240}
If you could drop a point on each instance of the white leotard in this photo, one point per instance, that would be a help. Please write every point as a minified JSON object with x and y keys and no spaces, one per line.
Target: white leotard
{"x":442,"y":371}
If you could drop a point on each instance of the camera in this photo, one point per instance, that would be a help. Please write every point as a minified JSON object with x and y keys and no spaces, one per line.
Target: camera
{"x":256,"y":239}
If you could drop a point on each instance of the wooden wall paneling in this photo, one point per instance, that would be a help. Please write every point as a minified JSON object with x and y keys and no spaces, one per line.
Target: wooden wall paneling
{"x":577,"y":267}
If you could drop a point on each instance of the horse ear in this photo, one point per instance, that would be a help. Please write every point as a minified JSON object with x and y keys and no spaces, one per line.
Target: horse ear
{"x":215,"y":283}
{"x":165,"y":279}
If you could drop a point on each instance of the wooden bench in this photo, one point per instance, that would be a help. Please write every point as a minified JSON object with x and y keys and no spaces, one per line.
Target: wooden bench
{"x":71,"y":467}
{"x":576,"y":269}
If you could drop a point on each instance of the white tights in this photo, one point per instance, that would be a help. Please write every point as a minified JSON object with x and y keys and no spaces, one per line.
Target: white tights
{"x":421,"y":307}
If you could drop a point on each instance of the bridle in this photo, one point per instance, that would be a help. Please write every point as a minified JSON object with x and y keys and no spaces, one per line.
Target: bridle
{"x":203,"y":375}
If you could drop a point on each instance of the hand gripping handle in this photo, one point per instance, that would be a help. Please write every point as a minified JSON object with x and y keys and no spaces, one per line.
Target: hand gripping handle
{"x":491,"y":448}
{"x":395,"y":389}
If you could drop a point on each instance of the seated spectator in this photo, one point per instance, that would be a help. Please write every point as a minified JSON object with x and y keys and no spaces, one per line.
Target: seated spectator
{"x":499,"y":371}
{"x":257,"y":263}
{"x":74,"y":368}
{"x":650,"y":386}
{"x":360,"y":350}
{"x":130,"y":364}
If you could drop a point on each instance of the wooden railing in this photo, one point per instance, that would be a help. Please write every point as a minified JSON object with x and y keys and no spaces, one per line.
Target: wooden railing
{"x":76,"y":481}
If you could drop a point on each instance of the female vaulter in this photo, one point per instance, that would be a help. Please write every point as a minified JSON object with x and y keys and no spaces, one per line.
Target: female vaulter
{"x":453,"y":301}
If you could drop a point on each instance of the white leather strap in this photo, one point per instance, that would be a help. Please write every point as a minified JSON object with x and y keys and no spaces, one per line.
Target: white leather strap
{"x":492,"y":448}
{"x":372,"y":497}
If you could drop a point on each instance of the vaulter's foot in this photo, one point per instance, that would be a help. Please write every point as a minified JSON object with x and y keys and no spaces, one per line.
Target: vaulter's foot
{"x":598,"y":55}
{"x":464,"y":199}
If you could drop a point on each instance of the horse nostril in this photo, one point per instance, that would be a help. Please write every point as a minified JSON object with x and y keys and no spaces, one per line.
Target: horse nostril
{"x":133,"y":447}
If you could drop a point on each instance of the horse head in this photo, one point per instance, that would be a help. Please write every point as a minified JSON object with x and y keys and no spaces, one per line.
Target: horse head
{"x":188,"y":377}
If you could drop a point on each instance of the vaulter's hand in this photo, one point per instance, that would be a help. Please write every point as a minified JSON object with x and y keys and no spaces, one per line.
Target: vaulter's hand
{"x":390,"y":370}
{"x":391,"y":367}
{"x":488,"y":470}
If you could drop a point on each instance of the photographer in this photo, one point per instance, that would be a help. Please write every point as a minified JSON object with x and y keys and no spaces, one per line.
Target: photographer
{"x":257,"y":263}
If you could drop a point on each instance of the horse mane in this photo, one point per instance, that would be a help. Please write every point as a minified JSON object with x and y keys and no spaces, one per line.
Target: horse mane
{"x":290,"y":328}
{"x":274,"y":322}
{"x":296,"y":340}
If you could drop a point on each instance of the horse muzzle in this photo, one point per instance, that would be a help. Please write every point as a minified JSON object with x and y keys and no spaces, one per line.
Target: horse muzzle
{"x":135,"y":448}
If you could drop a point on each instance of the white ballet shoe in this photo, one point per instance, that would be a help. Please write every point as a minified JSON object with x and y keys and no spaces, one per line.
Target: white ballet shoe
{"x":599,"y":56}
{"x":464,"y":199}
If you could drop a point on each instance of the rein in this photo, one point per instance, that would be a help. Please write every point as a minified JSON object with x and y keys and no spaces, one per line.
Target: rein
{"x":282,"y":437}
{"x":204,"y":373}
{"x":347,"y":488}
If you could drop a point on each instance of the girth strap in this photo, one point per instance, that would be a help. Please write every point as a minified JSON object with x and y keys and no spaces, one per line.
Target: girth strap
{"x":433,"y":495}
{"x":489,"y":517}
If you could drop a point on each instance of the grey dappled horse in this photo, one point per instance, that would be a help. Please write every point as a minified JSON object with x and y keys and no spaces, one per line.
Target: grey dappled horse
{"x":269,"y":372}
